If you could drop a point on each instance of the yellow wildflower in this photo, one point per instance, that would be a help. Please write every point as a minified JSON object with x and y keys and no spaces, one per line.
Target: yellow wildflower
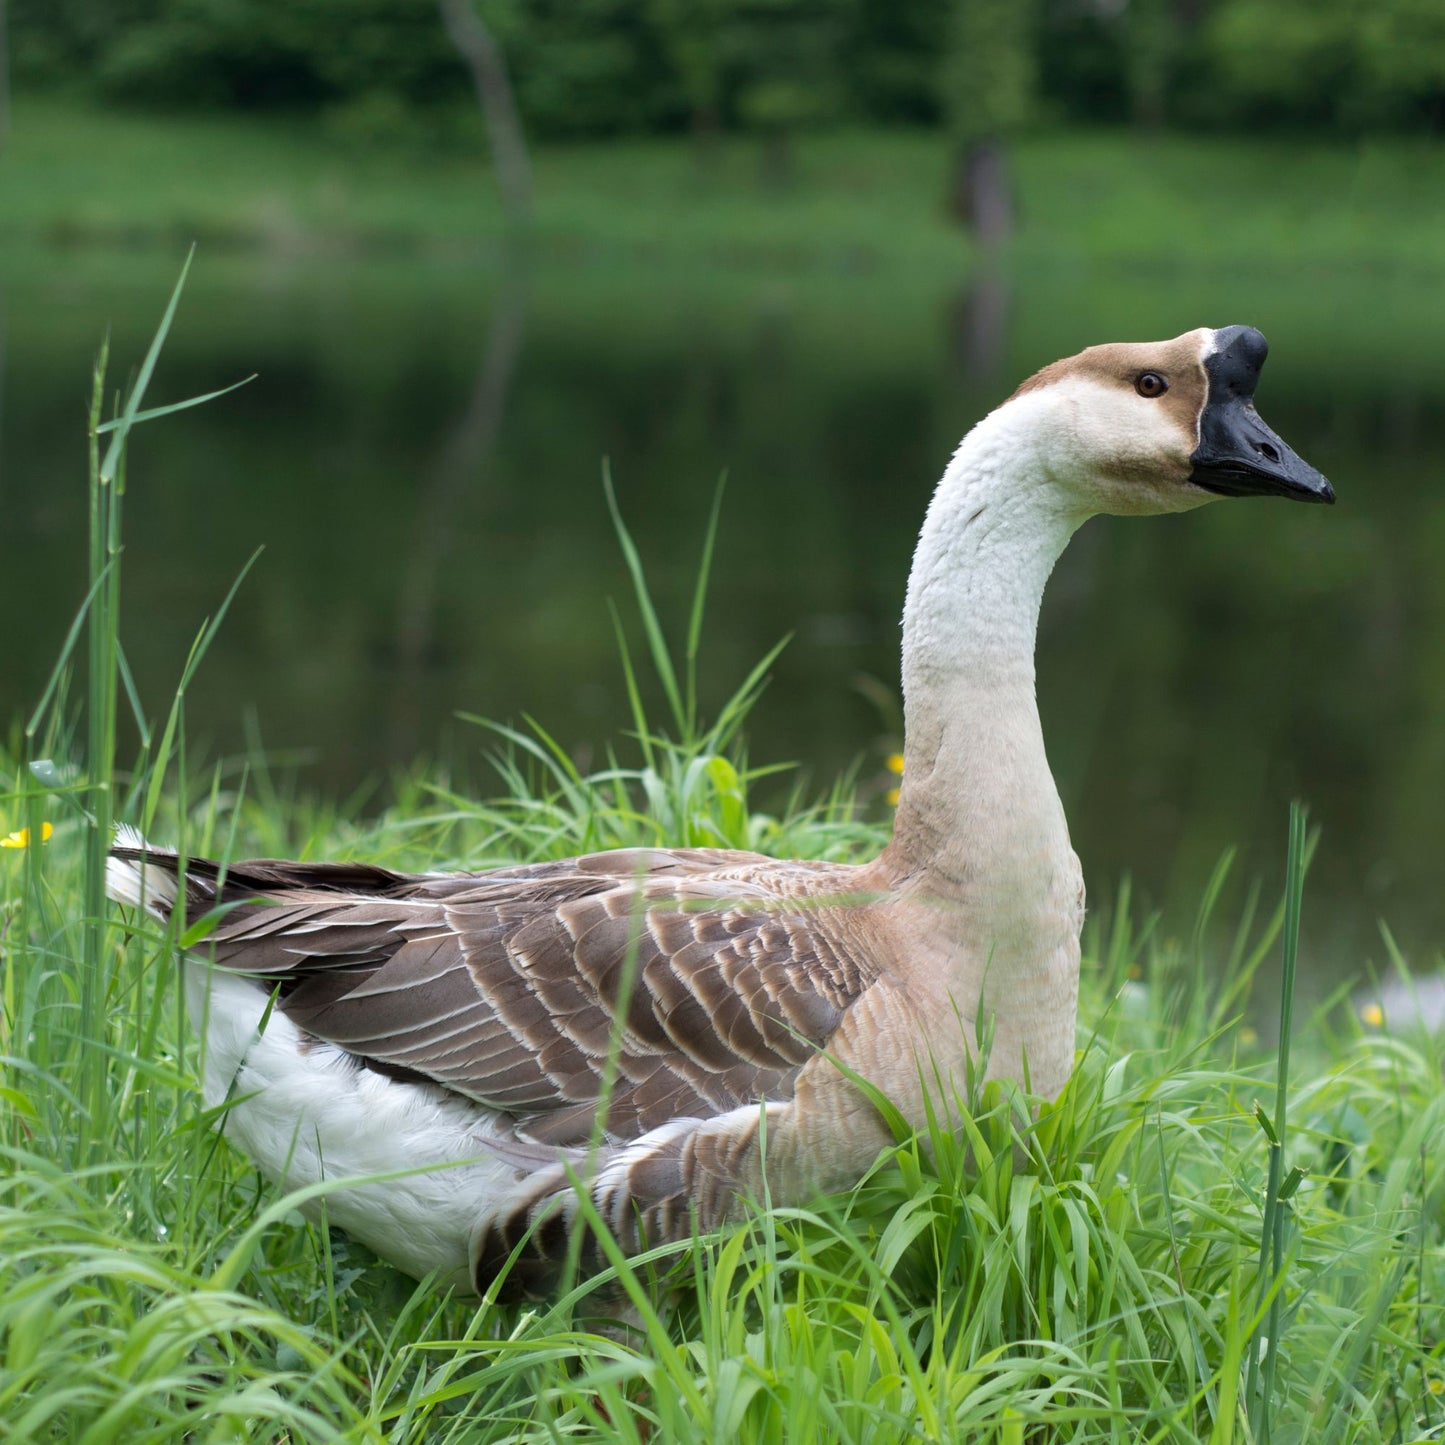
{"x":892,"y":796}
{"x":21,"y":838}
{"x":894,"y":763}
{"x":1373,"y":1015}
{"x":1436,"y":1385}
{"x":1248,"y":1037}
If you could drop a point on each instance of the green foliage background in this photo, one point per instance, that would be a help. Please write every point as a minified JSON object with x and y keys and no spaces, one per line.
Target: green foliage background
{"x":608,"y":67}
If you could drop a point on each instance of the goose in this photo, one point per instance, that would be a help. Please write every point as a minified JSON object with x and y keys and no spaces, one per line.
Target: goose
{"x":653,"y":1025}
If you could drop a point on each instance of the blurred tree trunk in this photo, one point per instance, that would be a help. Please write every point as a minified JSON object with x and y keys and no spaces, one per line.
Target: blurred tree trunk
{"x":4,"y":76}
{"x":484,"y":59}
{"x":981,"y":196}
{"x":988,"y":96}
{"x":980,"y":326}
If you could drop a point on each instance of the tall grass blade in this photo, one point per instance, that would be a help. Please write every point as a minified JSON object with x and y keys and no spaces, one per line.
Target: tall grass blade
{"x":159,"y":411}
{"x":656,"y":642}
{"x":102,"y":631}
{"x":161,"y":762}
{"x":634,"y":691}
{"x":52,"y":684}
{"x":699,"y":602}
{"x":1265,"y":1344}
{"x":121,"y":427}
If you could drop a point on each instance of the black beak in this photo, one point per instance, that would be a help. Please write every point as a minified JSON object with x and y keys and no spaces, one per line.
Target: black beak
{"x":1238,"y":455}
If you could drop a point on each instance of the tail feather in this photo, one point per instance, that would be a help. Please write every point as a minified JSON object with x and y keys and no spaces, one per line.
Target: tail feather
{"x":140,"y":874}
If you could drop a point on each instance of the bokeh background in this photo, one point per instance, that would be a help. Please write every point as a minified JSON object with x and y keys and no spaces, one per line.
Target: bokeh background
{"x":471,"y":250}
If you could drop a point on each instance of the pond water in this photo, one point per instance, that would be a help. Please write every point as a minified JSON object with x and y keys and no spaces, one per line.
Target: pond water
{"x":420,"y":458}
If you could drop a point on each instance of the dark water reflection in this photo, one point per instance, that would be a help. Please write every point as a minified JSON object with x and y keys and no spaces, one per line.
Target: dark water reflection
{"x":421,"y":456}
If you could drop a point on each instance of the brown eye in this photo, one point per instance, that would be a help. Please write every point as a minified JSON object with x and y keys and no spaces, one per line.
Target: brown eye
{"x":1150,"y":384}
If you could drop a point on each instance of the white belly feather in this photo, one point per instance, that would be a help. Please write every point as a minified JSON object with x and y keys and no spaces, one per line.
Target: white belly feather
{"x":305,"y":1112}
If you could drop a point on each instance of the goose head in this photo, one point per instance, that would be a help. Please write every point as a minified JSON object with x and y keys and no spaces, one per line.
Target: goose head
{"x":1135,"y":428}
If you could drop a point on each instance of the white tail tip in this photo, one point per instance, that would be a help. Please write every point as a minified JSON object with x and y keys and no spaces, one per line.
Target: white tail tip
{"x":140,"y":885}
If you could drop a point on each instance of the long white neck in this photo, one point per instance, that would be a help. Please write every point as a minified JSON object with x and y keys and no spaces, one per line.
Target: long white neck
{"x":980,"y":831}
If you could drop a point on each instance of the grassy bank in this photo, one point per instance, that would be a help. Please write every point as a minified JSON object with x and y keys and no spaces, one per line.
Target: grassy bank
{"x":851,"y":200}
{"x":1092,"y":1274}
{"x":1136,"y":1261}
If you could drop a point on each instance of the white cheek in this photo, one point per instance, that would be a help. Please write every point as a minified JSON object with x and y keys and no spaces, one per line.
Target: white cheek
{"x":1110,"y":422}
{"x":1138,"y":427}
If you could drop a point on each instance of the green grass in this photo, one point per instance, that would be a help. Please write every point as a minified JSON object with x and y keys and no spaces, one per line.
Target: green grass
{"x":857,"y":201}
{"x":1089,"y":1275}
{"x":1138,"y":1260}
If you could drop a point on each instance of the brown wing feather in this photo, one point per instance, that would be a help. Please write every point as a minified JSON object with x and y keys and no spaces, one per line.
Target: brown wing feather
{"x":716,"y":975}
